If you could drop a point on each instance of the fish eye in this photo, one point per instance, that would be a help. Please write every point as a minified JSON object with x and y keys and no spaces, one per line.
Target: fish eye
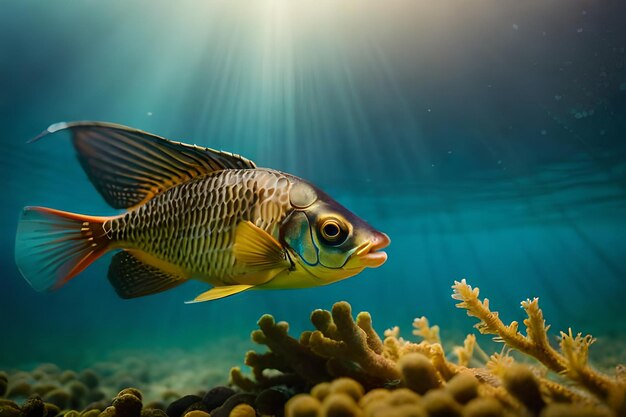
{"x":333,"y":232}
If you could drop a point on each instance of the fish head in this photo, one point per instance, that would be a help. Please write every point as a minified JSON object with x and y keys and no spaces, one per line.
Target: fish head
{"x":326,"y":239}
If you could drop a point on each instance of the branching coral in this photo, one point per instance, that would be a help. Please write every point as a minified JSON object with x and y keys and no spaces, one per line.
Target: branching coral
{"x":571,"y":361}
{"x":345,"y":347}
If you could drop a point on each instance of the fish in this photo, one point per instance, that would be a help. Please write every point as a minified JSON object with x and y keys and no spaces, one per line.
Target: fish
{"x":191,"y":212}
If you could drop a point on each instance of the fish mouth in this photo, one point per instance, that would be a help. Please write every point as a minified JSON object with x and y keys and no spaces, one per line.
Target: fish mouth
{"x":369,"y":254}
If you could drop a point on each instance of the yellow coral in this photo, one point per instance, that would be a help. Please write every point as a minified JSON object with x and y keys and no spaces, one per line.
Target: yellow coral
{"x":422,"y":328}
{"x":382,"y":371}
{"x":572,"y":361}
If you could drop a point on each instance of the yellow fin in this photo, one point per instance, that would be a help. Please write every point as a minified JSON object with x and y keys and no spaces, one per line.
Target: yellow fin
{"x":219,"y":292}
{"x":258,"y":250}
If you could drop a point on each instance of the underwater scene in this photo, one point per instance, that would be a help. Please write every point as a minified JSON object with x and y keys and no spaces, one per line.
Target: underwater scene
{"x":312,"y":208}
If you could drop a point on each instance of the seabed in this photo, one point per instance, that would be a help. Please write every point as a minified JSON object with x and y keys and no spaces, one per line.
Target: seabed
{"x":343,"y":367}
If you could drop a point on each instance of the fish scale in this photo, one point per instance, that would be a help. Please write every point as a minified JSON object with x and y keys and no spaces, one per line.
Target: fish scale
{"x":202,"y":214}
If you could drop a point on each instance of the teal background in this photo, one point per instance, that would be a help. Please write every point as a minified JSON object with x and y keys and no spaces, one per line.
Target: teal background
{"x":487,"y":138}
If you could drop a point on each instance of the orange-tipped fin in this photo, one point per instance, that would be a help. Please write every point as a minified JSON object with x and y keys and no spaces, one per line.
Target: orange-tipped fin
{"x":53,"y":246}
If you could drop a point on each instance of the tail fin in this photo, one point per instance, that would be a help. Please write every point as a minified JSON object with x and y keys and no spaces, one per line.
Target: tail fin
{"x":52,"y":246}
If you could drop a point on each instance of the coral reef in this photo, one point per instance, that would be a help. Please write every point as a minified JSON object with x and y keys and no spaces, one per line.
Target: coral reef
{"x":557,"y":381}
{"x":345,"y":368}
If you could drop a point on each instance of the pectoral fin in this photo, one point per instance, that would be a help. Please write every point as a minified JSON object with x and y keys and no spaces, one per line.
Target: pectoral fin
{"x":219,"y":292}
{"x":258,"y":250}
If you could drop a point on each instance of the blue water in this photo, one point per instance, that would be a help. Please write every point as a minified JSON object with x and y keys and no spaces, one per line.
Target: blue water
{"x":486,"y":138}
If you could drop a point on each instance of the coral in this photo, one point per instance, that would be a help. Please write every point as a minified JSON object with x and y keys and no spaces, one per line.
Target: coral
{"x":18,"y":388}
{"x":350,"y":370}
{"x":58,"y":397}
{"x":9,"y":409}
{"x":90,"y":378}
{"x":127,"y":404}
{"x":418,"y":373}
{"x":34,"y":407}
{"x":463,"y":388}
{"x":571,"y":361}
{"x":303,"y":405}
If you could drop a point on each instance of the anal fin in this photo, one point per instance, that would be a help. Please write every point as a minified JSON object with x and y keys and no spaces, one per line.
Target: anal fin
{"x":219,"y":292}
{"x":133,"y":278}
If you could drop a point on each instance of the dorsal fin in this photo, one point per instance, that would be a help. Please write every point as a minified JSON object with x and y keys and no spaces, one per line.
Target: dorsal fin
{"x":128,"y":166}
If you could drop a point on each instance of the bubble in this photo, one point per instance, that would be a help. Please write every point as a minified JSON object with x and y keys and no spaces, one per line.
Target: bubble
{"x":515,"y":26}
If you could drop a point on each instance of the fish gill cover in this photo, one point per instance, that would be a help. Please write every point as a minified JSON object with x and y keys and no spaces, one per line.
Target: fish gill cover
{"x":485,"y":138}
